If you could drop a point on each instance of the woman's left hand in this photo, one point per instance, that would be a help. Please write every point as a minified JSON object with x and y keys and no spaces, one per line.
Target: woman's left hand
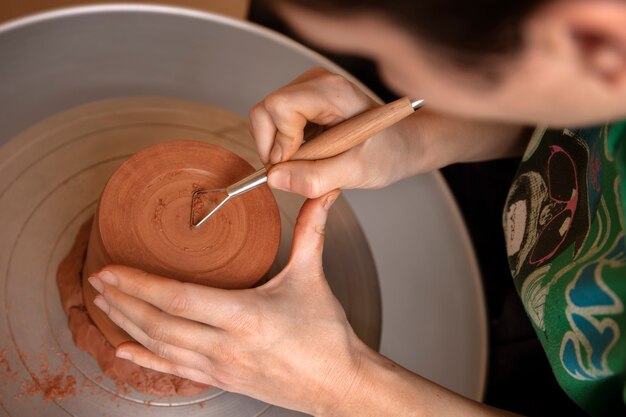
{"x":287,"y":342}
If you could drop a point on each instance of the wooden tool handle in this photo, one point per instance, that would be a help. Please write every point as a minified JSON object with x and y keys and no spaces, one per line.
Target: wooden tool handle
{"x":354,"y":131}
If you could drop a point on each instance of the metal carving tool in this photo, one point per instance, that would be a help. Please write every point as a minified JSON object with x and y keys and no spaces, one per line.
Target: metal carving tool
{"x":329,"y":143}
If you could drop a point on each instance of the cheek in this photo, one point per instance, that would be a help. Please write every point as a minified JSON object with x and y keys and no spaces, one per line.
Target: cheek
{"x":416,"y":73}
{"x":415,"y":82}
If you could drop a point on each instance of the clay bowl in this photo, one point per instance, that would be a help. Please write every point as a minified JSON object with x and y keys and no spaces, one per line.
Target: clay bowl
{"x":143,"y":220}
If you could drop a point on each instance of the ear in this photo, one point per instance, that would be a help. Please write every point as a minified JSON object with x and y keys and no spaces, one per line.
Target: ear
{"x":597,"y":29}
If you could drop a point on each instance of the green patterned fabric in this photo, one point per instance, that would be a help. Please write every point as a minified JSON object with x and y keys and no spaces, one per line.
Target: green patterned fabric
{"x":564,"y":228}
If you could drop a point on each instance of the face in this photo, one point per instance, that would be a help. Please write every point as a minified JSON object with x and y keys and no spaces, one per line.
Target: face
{"x":547,"y":82}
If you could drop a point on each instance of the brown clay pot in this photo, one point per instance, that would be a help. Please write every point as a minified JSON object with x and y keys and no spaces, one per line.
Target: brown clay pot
{"x":143,"y":220}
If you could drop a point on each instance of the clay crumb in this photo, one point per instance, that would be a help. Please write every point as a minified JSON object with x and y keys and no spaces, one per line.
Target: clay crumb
{"x":4,"y":362}
{"x":158,"y":212}
{"x":55,"y":385}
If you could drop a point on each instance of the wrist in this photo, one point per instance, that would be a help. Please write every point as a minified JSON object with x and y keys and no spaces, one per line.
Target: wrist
{"x":350,"y":386}
{"x":440,"y":140}
{"x":383,"y":388}
{"x":377,"y":387}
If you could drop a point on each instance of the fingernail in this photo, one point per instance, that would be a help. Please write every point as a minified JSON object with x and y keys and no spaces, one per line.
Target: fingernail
{"x":122,"y":354}
{"x":96,"y":283}
{"x":277,"y":154}
{"x":280,"y":179}
{"x":330,"y":199}
{"x":102,"y":304}
{"x":107,"y":277}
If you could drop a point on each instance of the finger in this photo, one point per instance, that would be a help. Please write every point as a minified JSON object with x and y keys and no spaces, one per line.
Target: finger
{"x":144,"y":357}
{"x":325,"y":100}
{"x":308,"y":236}
{"x":262,"y":126}
{"x":287,"y":145}
{"x":309,"y":74}
{"x":213,"y":306}
{"x":263,"y":131}
{"x":158,"y":326}
{"x":172,"y":353}
{"x":313,"y":179}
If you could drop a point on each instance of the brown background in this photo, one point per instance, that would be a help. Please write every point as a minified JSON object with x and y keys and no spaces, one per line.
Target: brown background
{"x":12,"y":9}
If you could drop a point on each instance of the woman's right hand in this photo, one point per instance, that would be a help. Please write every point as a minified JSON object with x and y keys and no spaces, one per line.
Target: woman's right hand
{"x":318,"y":96}
{"x":421,"y":142}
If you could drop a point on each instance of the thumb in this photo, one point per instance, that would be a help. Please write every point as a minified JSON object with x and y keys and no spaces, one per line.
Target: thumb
{"x":313,"y":179}
{"x":308,"y":236}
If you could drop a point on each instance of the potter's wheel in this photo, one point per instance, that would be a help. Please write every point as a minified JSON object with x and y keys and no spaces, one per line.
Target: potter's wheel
{"x":432,"y":308}
{"x":63,"y":164}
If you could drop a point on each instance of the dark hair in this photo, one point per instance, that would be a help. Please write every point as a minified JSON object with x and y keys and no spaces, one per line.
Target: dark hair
{"x":471,"y":31}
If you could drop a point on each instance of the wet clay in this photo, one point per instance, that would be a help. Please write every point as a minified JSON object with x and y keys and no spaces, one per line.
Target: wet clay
{"x":143,"y":220}
{"x":91,"y":340}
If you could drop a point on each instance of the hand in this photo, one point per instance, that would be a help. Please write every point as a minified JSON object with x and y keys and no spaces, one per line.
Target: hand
{"x":419,"y":143}
{"x":287,"y":342}
{"x":278,"y":122}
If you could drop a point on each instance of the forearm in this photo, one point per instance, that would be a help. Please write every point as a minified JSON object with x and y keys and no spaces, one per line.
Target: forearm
{"x":384,"y":388}
{"x":432,"y":141}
